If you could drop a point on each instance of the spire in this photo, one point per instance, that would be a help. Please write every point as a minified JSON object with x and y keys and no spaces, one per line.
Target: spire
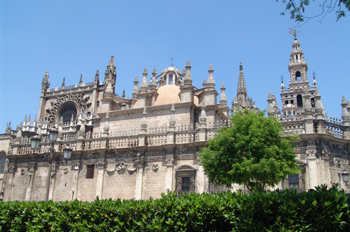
{"x":205,"y":83}
{"x":345,"y":114}
{"x":211,"y":81}
{"x":153,"y":82}
{"x":111,"y":63}
{"x":97,"y":77}
{"x":81,"y":79}
{"x":188,"y":77}
{"x":45,"y":84}
{"x":282,"y":85}
{"x":63,"y":82}
{"x":123,"y":95}
{"x":223,"y":98}
{"x":136,"y":89}
{"x":241,"y":90}
{"x":144,"y":85}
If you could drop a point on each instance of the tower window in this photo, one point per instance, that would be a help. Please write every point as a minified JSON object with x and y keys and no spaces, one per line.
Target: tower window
{"x":286,"y":102}
{"x":313,"y":102}
{"x":292,"y":102}
{"x":170,"y":79}
{"x":298,"y":76}
{"x":299,"y":100}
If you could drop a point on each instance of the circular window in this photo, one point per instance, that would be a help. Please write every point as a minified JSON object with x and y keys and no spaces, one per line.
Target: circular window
{"x":68,"y":111}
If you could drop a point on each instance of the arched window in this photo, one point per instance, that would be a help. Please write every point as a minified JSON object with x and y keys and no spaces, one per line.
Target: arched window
{"x":185,"y":179}
{"x":68,"y":111}
{"x":297,"y":76}
{"x":299,"y":100}
{"x":170,"y":79}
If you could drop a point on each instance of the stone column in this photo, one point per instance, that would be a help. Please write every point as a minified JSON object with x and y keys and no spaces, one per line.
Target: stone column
{"x":169,"y":172}
{"x":52,"y":180}
{"x":101,"y":165}
{"x":312,"y":166}
{"x":139,"y":176}
{"x":31,"y":170}
{"x":202,"y":124}
{"x":76,"y":171}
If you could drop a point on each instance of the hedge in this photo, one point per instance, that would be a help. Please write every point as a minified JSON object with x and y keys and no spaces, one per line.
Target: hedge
{"x":320,"y":210}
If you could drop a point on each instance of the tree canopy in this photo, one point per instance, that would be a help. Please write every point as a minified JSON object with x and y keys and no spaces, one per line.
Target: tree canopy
{"x":251,"y":152}
{"x":297,"y":8}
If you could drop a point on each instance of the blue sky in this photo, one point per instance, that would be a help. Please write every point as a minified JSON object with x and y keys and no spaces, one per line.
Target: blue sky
{"x":69,"y":38}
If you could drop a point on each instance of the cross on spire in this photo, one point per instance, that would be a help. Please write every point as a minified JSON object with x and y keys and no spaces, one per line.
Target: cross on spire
{"x":172,"y":60}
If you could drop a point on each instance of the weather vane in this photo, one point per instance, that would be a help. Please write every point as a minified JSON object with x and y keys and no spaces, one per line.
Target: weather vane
{"x":172,"y":60}
{"x":293,"y":32}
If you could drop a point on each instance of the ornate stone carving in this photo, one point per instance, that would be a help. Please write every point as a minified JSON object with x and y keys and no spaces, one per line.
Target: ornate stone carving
{"x":23,"y":172}
{"x":155,"y":167}
{"x":169,"y":161}
{"x":77,"y":98}
{"x":65,"y":171}
{"x":76,"y":166}
{"x":140,"y":160}
{"x":311,"y":153}
{"x":121,"y":167}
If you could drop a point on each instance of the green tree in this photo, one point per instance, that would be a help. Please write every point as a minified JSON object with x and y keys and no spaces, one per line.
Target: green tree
{"x":252,"y":152}
{"x":297,"y":8}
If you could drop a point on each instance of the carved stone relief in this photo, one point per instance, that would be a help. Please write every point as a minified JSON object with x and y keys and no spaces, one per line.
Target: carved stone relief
{"x":121,"y":167}
{"x":77,"y":98}
{"x":155,"y":167}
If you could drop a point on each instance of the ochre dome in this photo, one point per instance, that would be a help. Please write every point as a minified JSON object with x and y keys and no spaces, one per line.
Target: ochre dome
{"x":168,"y":94}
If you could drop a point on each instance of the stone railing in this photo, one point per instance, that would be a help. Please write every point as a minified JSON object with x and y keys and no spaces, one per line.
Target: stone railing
{"x":335,"y":130}
{"x":123,"y":142}
{"x":91,"y":144}
{"x":156,"y":139}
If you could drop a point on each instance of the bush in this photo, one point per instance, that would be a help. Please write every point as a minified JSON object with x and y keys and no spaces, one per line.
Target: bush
{"x":320,"y":210}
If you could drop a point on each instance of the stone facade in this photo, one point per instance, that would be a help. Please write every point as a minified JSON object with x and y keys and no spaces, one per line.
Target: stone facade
{"x":144,"y":146}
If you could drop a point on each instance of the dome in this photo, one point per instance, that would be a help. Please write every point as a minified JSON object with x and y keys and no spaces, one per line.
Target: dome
{"x":168,"y":94}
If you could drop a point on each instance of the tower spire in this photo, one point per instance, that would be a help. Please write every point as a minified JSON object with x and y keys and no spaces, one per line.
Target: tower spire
{"x":241,"y":89}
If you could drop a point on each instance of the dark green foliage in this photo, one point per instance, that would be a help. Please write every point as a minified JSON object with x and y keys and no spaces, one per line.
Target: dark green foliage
{"x":251,"y":152}
{"x":320,"y":210}
{"x":297,"y":8}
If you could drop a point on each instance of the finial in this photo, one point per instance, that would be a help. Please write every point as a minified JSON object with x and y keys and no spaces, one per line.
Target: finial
{"x":223,"y":85}
{"x":63,"y":82}
{"x":172,"y":60}
{"x":188,"y":64}
{"x":111,"y":62}
{"x":123,"y":95}
{"x":314,"y":75}
{"x":81,"y":79}
{"x":136,"y":81}
{"x":282,"y":79}
{"x":154,"y":73}
{"x":97,"y":76}
{"x":240,"y":67}
{"x":145,"y":72}
{"x":210,"y":68}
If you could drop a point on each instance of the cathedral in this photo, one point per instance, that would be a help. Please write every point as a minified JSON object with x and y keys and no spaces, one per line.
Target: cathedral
{"x":86,"y":141}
